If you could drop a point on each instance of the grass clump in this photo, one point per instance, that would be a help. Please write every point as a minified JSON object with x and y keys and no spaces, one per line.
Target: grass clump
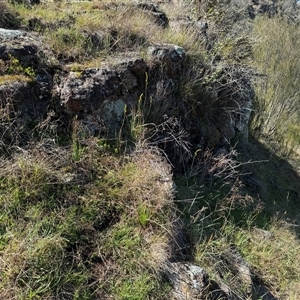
{"x":8,"y":18}
{"x":276,"y":57}
{"x":34,"y":259}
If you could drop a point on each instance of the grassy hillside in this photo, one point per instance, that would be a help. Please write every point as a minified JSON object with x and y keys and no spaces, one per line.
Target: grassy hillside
{"x":84,"y":225}
{"x":81,"y":218}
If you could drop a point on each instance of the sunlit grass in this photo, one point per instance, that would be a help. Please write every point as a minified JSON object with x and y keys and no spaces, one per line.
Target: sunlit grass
{"x":58,"y":222}
{"x":91,"y":222}
{"x":6,"y":79}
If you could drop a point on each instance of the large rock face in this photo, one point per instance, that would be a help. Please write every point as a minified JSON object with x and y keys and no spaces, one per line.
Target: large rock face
{"x":102,"y":98}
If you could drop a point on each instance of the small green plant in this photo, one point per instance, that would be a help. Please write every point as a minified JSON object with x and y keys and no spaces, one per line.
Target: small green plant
{"x":77,"y":149}
{"x":137,"y":122}
{"x":15,"y":67}
{"x":144,"y":215}
{"x":29,"y":72}
{"x":137,"y":117}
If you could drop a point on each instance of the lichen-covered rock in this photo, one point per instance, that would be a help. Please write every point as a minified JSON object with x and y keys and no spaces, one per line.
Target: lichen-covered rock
{"x":99,"y":96}
{"x":25,"y":100}
{"x":95,"y":38}
{"x":189,"y":281}
{"x":26,"y":84}
{"x":170,"y":58}
{"x":14,"y":94}
{"x":85,"y":92}
{"x":254,"y":8}
{"x":26,"y":54}
{"x":102,"y":95}
{"x":28,"y":48}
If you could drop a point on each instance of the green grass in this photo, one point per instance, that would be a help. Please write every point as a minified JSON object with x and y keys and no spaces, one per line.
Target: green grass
{"x":68,"y":27}
{"x":61,"y":224}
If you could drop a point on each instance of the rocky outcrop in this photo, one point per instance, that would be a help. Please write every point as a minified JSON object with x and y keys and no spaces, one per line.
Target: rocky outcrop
{"x":22,"y":53}
{"x":104,"y":99}
{"x":101,"y":96}
{"x":190,"y":281}
{"x":267,"y":7}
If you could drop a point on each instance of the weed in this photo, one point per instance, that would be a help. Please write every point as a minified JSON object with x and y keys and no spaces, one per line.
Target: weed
{"x":15,"y":68}
{"x":144,"y":215}
{"x":77,"y":149}
{"x":137,"y":124}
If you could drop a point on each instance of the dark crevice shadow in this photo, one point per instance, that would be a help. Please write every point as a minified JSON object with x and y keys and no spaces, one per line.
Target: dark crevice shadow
{"x":274,"y":180}
{"x":260,"y":291}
